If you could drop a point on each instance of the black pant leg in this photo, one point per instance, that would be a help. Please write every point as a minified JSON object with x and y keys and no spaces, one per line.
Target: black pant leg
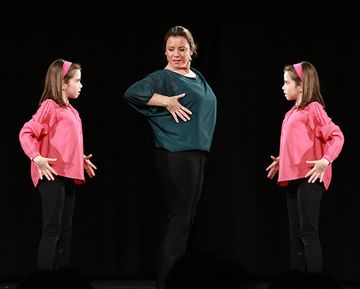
{"x":181,"y":176}
{"x":57,"y":205}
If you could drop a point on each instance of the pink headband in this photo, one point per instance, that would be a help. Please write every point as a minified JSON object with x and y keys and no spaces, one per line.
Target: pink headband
{"x":65,"y":68}
{"x":298,"y":69}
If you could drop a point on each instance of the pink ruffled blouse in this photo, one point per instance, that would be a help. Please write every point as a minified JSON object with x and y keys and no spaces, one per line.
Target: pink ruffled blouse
{"x":307,"y":134}
{"x":55,"y":132}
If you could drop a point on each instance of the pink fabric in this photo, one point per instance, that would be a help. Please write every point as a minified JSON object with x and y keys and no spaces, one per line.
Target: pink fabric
{"x":65,"y":68}
{"x":298,"y":69}
{"x":55,"y":132}
{"x":307,"y":134}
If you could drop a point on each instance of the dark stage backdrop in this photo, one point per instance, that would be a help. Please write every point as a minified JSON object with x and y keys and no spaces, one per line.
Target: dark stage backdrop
{"x":242,"y":50}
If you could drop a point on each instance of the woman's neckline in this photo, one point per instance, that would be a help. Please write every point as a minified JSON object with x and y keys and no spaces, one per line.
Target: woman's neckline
{"x":191,"y":74}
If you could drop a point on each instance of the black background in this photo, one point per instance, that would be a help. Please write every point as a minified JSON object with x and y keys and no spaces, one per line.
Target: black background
{"x":243,"y":47}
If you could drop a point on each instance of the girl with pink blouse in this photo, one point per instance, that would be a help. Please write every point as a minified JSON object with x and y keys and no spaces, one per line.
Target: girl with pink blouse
{"x":310,"y":142}
{"x":53,"y":141}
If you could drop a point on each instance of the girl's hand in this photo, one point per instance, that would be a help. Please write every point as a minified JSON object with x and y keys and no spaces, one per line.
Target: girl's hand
{"x":89,"y":167}
{"x":317,"y":172}
{"x":44,"y":167}
{"x":273,"y":168}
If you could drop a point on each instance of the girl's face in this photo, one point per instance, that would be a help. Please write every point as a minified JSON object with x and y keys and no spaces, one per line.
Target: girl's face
{"x":178,"y":52}
{"x":72,"y":89}
{"x":291,"y":90}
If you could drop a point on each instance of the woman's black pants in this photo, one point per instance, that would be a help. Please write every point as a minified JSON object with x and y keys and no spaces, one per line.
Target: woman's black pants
{"x":181,"y":175}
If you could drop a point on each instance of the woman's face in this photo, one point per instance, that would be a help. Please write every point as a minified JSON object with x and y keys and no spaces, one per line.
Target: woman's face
{"x":178,"y":52}
{"x":291,"y":90}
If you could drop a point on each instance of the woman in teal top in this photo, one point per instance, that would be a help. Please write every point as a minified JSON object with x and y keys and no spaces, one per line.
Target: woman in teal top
{"x":181,"y":109}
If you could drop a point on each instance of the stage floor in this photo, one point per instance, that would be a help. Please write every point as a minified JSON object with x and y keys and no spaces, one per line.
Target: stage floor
{"x":149,"y":284}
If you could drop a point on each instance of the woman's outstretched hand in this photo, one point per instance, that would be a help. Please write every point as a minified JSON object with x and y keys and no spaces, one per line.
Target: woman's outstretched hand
{"x":176,"y":109}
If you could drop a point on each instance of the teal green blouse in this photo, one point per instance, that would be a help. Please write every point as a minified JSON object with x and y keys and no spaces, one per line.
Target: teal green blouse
{"x":195,"y":134}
